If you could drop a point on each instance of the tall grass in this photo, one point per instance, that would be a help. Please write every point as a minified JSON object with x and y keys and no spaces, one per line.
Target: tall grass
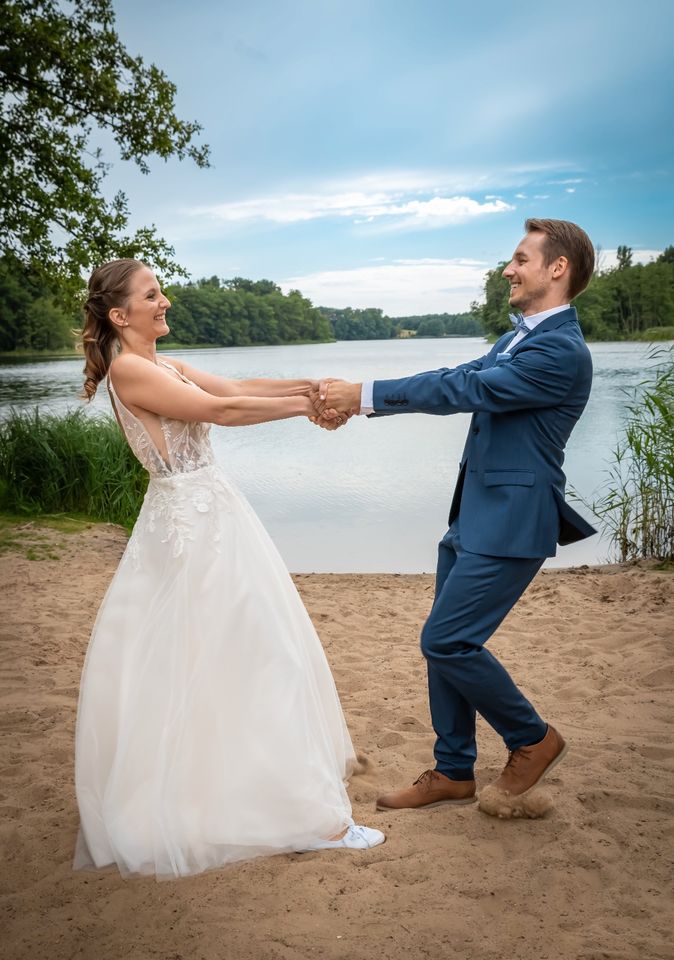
{"x":72,"y":463}
{"x":636,"y":505}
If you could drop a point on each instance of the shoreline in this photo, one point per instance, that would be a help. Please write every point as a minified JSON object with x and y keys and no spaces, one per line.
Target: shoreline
{"x":25,"y":531}
{"x":13,"y":356}
{"x":592,"y":647}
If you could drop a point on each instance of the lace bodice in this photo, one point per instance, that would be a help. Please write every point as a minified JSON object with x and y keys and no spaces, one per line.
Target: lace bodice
{"x":164,"y":446}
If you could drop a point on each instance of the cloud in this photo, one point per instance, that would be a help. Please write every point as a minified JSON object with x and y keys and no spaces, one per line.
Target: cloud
{"x":376,"y":201}
{"x":607,"y":259}
{"x":409,"y":287}
{"x":360,"y":206}
{"x":397,"y":198}
{"x":399,"y":287}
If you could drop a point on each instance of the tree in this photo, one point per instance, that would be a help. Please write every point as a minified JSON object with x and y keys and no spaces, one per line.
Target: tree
{"x":31,"y":318}
{"x":493,"y":314}
{"x":624,"y":255}
{"x":348,"y":323}
{"x":65,"y":74}
{"x":431,"y":327}
{"x":263,"y":287}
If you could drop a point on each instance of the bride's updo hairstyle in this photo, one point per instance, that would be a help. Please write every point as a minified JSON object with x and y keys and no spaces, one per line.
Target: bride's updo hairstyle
{"x":109,"y":287}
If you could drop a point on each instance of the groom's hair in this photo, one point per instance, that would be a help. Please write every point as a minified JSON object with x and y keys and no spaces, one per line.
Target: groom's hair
{"x":566,"y":239}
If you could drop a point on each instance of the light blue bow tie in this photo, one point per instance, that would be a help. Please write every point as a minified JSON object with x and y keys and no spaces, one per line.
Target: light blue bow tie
{"x":518,"y":322}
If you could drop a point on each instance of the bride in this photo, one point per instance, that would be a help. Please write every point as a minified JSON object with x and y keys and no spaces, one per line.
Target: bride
{"x":209,"y":729}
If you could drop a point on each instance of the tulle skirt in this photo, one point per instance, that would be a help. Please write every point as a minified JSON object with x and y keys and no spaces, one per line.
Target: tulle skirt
{"x":209,"y":729}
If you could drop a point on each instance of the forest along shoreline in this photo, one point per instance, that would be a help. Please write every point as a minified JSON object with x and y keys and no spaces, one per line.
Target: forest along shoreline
{"x":631,"y":301}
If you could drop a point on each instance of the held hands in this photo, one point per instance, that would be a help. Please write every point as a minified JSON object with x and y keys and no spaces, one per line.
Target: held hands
{"x":335,"y":402}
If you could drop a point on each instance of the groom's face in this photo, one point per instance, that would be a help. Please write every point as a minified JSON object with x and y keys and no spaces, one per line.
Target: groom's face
{"x":529,"y":277}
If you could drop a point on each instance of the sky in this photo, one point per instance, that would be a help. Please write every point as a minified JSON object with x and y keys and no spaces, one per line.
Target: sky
{"x":381,"y":153}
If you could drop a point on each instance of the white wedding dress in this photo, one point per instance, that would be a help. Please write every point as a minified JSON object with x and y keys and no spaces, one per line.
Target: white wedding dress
{"x":209,"y":729}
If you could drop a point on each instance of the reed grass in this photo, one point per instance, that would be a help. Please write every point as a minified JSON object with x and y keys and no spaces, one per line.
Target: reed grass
{"x":636,"y":503}
{"x":73,"y":463}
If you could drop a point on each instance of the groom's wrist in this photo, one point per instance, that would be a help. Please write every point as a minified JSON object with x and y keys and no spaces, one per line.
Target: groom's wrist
{"x":356,"y":398}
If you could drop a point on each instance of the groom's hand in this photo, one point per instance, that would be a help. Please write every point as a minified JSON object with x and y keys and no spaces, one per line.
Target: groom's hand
{"x":339,"y":395}
{"x":326,"y":417}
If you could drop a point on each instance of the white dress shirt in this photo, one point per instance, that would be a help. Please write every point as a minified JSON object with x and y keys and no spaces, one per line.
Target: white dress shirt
{"x":367,"y":389}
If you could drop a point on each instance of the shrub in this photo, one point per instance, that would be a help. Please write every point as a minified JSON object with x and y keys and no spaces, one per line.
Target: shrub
{"x":636,"y":505}
{"x":71,"y":463}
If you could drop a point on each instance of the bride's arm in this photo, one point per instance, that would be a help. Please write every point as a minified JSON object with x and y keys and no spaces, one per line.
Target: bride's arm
{"x":222,"y":387}
{"x":141,"y":383}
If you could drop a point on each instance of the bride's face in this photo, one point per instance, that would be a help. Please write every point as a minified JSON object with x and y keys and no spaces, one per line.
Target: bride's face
{"x":146,"y":308}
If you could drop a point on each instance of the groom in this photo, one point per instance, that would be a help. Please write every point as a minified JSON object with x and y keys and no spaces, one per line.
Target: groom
{"x":508,"y":513}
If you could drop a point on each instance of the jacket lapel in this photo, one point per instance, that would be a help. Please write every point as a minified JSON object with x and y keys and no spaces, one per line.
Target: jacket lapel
{"x":550,"y":323}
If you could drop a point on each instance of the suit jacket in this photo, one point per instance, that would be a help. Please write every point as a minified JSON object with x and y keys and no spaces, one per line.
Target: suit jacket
{"x":525,"y":403}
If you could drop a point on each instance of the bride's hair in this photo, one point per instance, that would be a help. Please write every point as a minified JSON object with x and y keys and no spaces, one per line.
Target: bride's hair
{"x":108,"y":288}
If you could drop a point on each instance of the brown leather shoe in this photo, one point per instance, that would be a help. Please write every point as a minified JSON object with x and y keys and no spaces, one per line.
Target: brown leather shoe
{"x":526,"y":766}
{"x":431,"y":789}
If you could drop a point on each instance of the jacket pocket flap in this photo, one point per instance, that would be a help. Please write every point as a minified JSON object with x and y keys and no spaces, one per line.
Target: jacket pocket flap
{"x":520,"y":478}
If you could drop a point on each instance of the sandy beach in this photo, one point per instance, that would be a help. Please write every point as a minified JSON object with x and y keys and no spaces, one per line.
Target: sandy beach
{"x":593,"y":647}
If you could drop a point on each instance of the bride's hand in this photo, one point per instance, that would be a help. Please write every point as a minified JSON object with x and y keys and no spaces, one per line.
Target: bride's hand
{"x":330,"y":419}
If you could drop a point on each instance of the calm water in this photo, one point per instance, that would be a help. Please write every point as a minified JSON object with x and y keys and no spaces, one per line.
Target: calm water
{"x":373,"y":496}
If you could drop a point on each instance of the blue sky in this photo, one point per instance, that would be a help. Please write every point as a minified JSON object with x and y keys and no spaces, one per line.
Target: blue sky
{"x":386,"y":153}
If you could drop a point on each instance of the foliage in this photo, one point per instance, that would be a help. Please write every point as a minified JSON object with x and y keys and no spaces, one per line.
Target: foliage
{"x":373,"y":324}
{"x":79,"y":463}
{"x":65,"y":78}
{"x":353,"y":324}
{"x":219,"y":313}
{"x":493,"y":313}
{"x":239,"y":312}
{"x":624,"y":257}
{"x":619,"y":304}
{"x":443,"y":325}
{"x":31,"y":315}
{"x":637,"y":504}
{"x":431,"y":327}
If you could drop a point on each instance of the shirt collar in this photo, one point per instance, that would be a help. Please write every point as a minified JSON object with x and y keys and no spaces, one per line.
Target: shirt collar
{"x":537,"y":318}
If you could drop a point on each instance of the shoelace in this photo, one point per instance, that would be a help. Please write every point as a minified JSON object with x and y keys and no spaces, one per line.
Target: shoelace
{"x":515,"y":755}
{"x":356,"y":831}
{"x":425,"y":779}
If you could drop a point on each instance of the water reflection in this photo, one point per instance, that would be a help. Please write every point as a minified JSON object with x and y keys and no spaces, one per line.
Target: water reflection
{"x":53,"y":384}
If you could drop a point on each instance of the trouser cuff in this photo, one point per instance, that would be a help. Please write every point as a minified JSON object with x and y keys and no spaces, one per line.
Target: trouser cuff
{"x":454,"y":774}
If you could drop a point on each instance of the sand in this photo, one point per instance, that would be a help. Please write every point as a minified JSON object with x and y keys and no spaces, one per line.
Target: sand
{"x":592,"y":647}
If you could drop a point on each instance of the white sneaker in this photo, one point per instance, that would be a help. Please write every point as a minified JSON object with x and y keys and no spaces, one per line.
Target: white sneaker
{"x":355,"y":838}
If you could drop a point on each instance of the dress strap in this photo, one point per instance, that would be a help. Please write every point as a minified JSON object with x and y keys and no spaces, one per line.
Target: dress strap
{"x":171,"y":367}
{"x":114,"y":400}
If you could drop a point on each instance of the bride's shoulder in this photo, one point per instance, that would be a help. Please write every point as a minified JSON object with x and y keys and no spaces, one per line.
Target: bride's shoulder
{"x":129,"y":364}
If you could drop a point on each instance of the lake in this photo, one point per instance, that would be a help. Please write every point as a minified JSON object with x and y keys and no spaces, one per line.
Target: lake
{"x":373,"y":496}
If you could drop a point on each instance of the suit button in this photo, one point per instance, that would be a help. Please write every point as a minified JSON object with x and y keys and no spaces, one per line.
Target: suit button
{"x":476,"y":429}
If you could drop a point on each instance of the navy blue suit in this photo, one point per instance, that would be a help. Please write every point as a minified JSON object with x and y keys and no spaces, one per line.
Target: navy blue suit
{"x":508,"y":514}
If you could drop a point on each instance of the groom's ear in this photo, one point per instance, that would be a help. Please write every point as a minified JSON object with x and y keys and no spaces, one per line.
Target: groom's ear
{"x":560,"y":268}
